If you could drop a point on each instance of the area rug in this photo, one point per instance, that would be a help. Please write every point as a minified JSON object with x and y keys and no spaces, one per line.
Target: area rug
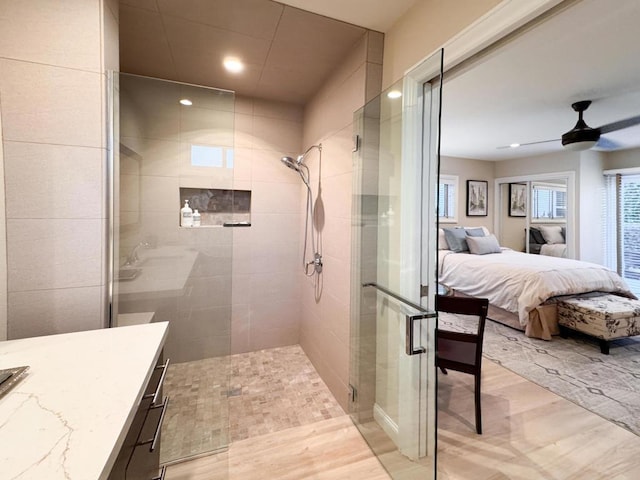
{"x":574,"y":368}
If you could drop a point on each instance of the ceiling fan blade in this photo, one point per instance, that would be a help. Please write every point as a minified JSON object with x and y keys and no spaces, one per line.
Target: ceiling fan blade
{"x":606,"y":144}
{"x":619,"y":125}
{"x":530,"y":143}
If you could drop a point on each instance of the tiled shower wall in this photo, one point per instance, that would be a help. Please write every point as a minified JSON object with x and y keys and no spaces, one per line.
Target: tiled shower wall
{"x":3,"y":246}
{"x":266,"y":260}
{"x":325,"y":322}
{"x":53,"y":59}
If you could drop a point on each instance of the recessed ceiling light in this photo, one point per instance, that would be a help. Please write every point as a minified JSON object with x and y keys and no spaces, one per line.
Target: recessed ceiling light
{"x":233,"y":64}
{"x":186,"y":101}
{"x":514,"y":145}
{"x":394,"y":94}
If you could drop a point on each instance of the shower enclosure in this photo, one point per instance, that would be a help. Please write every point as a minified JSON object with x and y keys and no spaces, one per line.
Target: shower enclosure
{"x":175,"y":142}
{"x":393,"y":288}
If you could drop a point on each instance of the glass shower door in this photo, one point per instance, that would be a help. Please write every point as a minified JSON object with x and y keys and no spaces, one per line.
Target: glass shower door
{"x":394,"y":275}
{"x":174,"y":145}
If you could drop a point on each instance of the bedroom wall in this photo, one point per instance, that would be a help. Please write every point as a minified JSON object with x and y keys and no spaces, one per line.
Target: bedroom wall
{"x":622,"y":159}
{"x":590,"y":194}
{"x":469,"y":169}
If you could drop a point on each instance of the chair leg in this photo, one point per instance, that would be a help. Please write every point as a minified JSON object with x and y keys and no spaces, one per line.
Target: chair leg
{"x":443,"y":370}
{"x":478,"y":406}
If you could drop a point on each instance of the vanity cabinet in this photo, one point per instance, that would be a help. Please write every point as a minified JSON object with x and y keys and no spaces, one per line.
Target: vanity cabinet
{"x":139,"y":457}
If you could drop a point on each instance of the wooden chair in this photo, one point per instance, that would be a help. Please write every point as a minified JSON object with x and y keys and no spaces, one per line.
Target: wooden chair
{"x":462,"y":352}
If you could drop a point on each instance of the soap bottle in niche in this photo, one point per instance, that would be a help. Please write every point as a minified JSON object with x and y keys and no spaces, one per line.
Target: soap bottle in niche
{"x":196,"y":218}
{"x":186,"y":215}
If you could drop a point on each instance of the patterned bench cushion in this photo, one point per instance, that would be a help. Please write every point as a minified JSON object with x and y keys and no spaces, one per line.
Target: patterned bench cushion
{"x":601,"y":315}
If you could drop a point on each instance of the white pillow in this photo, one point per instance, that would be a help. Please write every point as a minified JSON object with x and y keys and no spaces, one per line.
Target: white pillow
{"x":551,"y":233}
{"x":483,"y":245}
{"x":442,"y":240}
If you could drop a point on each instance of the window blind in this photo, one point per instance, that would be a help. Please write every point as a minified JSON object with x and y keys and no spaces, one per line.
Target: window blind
{"x":622,"y":224}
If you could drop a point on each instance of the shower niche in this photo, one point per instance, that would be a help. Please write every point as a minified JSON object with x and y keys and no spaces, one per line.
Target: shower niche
{"x":219,"y":207}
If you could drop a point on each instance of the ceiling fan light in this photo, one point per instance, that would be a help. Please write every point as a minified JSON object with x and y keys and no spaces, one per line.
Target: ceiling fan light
{"x":579,"y":146}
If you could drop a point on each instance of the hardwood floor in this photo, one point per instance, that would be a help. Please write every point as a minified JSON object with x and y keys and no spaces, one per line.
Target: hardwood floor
{"x":328,"y":449}
{"x":529,"y":433}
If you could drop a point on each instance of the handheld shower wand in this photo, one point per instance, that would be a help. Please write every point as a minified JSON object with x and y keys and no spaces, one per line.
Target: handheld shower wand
{"x":299,"y":166}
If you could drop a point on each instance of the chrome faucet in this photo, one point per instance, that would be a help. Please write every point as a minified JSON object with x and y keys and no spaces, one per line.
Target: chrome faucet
{"x":133,"y":258}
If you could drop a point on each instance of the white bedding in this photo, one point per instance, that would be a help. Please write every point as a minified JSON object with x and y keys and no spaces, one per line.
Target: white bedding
{"x":554,"y":250}
{"x":520,"y":282}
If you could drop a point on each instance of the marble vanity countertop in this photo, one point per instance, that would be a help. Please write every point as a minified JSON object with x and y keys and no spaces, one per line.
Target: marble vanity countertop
{"x":68,"y":417}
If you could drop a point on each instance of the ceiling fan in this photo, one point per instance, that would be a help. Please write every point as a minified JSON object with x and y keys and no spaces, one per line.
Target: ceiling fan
{"x":583,"y":137}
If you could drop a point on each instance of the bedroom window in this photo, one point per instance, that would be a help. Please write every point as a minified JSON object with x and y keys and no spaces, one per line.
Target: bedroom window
{"x":447,"y":194}
{"x":548,"y":202}
{"x":622,"y":227}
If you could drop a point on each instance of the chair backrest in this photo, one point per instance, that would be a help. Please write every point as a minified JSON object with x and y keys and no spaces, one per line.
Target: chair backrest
{"x":466,"y":306}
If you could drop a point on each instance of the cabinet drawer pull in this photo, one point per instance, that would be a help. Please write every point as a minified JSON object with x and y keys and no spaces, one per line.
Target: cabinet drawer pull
{"x":156,"y":394}
{"x":162,"y":473}
{"x":156,"y":435}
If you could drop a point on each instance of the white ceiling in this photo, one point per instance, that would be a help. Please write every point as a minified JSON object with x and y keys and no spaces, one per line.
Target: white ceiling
{"x":377,"y":15}
{"x":523,"y":91}
{"x":289,"y":52}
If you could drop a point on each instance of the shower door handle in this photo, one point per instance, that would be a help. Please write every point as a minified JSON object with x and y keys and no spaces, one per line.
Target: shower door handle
{"x":409,"y":336}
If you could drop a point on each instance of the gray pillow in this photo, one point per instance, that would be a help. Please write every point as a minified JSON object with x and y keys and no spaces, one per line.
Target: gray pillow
{"x":535,"y":236}
{"x":483,"y":245}
{"x":456,"y":239}
{"x":475,"y":232}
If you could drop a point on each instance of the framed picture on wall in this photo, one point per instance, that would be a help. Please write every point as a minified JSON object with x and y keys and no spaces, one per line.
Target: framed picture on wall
{"x":477,"y":198}
{"x":517,"y":199}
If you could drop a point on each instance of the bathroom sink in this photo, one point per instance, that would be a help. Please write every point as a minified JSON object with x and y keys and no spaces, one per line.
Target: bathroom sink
{"x":160,"y":260}
{"x":125,"y":274}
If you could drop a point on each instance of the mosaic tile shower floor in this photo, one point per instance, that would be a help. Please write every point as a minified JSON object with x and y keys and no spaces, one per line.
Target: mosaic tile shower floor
{"x":263,"y":392}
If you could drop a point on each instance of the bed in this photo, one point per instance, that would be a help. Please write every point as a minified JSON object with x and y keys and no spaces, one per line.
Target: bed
{"x":547,"y":240}
{"x":523,"y":288}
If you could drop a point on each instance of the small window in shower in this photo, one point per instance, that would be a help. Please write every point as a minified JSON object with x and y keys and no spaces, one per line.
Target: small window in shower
{"x":219,"y":207}
{"x":211,"y":156}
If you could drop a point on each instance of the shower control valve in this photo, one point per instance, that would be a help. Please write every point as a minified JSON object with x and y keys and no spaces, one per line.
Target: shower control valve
{"x":316,"y":262}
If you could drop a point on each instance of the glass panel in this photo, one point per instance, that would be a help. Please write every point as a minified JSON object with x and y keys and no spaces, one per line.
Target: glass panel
{"x":175,"y":147}
{"x":394,"y":218}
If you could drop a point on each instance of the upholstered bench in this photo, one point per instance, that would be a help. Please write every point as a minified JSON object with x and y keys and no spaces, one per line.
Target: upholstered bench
{"x":601,"y":315}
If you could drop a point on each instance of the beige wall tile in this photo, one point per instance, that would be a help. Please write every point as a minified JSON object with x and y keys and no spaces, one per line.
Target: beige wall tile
{"x":111,"y":36}
{"x":243,"y":104}
{"x":53,"y":181}
{"x":240,"y":329}
{"x":243,"y":130}
{"x":267,"y":167}
{"x":337,"y":153}
{"x":273,"y":228}
{"x":47,"y":312}
{"x":154,"y":157}
{"x":336,"y":238}
{"x":199,"y":126}
{"x":275,"y":197}
{"x":276,"y":134}
{"x":3,"y":245}
{"x":54,"y":253}
{"x":285,"y":111}
{"x":159,"y":194}
{"x":272,"y":287}
{"x":374,"y":81}
{"x":272,"y":338}
{"x":242,"y":165}
{"x":375,"y":47}
{"x":66,"y":34}
{"x":44,"y":104}
{"x":333,"y":112}
{"x":337,"y":195}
